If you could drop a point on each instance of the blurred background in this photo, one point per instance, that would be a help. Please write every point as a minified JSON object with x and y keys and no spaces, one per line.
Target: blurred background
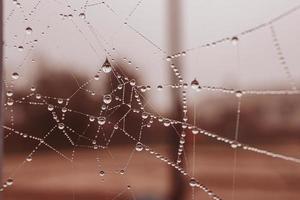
{"x":65,"y":47}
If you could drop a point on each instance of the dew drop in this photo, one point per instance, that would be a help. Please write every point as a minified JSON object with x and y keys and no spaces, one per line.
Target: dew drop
{"x":9,"y":181}
{"x":82,"y":15}
{"x":20,"y":48}
{"x":106,"y":67}
{"x":143,"y":88}
{"x":101,"y":120}
{"x":28,"y":30}
{"x":10,"y":102}
{"x":139,"y":147}
{"x":61,"y":126}
{"x":234,"y":40}
{"x":132,"y":82}
{"x":96,"y":77}
{"x":107,"y":99}
{"x":15,"y":75}
{"x":195,"y":84}
{"x":92,"y":118}
{"x":195,"y":131}
{"x":101,"y":173}
{"x":238,"y":94}
{"x":234,"y":145}
{"x":145,"y":115}
{"x":193,"y":182}
{"x":50,"y":107}
{"x":60,"y":100}
{"x":159,"y":87}
{"x":9,"y":93}
{"x":29,"y":159}
{"x":32,"y":89}
{"x":167,"y":122}
{"x":38,"y":96}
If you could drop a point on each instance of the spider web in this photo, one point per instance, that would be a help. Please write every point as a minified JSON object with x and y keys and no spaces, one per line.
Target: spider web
{"x":124,"y":101}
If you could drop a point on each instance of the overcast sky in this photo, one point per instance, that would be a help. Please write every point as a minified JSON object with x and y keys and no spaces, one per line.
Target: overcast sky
{"x":72,"y":43}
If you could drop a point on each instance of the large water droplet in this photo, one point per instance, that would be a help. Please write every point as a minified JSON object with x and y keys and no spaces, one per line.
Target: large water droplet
{"x":101,"y":120}
{"x":167,"y":122}
{"x":107,"y":98}
{"x":106,"y":67}
{"x":9,"y":181}
{"x":195,"y":84}
{"x":9,"y":93}
{"x":139,"y":147}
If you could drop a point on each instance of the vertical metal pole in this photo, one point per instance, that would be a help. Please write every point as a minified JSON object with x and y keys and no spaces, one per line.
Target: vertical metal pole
{"x":174,"y":40}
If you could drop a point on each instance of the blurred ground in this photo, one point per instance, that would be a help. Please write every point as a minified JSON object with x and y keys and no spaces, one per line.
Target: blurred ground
{"x":258,"y":177}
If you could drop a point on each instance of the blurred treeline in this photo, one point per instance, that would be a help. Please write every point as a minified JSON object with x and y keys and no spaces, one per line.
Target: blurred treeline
{"x":263,"y":118}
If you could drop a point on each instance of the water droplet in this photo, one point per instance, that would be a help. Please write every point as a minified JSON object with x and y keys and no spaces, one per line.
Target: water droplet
{"x":107,"y":99}
{"x":82,"y":15}
{"x":32,"y":89}
{"x":60,"y":100}
{"x":9,"y":93}
{"x":101,"y":120}
{"x":61,"y":126}
{"x":145,"y":115}
{"x":159,"y":87}
{"x":193,"y":182}
{"x":20,"y":48}
{"x":101,"y":173}
{"x":10,"y":102}
{"x":167,"y":122}
{"x":50,"y":107}
{"x":234,"y":145}
{"x":132,"y":82}
{"x":195,"y":84}
{"x":15,"y":75}
{"x":29,"y":159}
{"x":38,"y":96}
{"x":122,"y":171}
{"x":28,"y":30}
{"x":234,"y":40}
{"x":168,"y":58}
{"x":9,"y":181}
{"x":238,"y":94}
{"x":195,"y":131}
{"x":106,"y":67}
{"x":96,"y":77}
{"x":139,"y":147}
{"x":92,"y":118}
{"x":143,"y":88}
